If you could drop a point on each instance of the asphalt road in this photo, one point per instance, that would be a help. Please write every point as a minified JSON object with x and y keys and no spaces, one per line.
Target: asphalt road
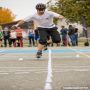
{"x":60,"y":68}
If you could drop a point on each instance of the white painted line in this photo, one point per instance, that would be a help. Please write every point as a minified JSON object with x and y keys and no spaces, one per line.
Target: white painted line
{"x":32,"y":70}
{"x":75,"y":88}
{"x":49,"y":79}
{"x":66,"y":66}
{"x":55,"y":66}
{"x":82,"y":70}
{"x":74,"y":70}
{"x":22,"y":73}
{"x":20,"y":59}
{"x":23,"y":67}
{"x":48,"y":85}
{"x":4,"y":73}
{"x":50,"y":65}
{"x":77,"y":55}
{"x":25,"y":71}
{"x":79,"y":52}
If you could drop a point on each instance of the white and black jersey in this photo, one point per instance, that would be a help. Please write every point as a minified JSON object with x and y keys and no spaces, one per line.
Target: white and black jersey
{"x":45,"y":20}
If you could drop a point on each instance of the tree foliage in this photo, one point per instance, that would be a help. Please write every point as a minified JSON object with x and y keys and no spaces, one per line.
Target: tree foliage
{"x":6,"y":16}
{"x":73,"y":10}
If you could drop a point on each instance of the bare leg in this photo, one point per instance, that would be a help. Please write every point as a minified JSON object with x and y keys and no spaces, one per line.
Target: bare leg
{"x":0,"y":43}
{"x":49,"y":41}
{"x":40,"y":47}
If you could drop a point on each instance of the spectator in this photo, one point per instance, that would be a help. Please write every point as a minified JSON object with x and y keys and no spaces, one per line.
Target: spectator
{"x":76,"y":36}
{"x":71,"y":33}
{"x":36,"y":36}
{"x":64,"y":35}
{"x":6,"y":36}
{"x":1,"y":36}
{"x":31,"y":37}
{"x":19,"y":36}
{"x":13,"y":36}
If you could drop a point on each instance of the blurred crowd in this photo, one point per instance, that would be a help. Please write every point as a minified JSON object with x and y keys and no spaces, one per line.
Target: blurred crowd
{"x":15,"y":37}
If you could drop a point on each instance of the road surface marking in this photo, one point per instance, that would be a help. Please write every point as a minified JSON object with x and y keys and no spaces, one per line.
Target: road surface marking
{"x":75,"y":88}
{"x":79,"y":52}
{"x":20,"y":59}
{"x":4,"y":73}
{"x":21,"y":72}
{"x":48,"y":85}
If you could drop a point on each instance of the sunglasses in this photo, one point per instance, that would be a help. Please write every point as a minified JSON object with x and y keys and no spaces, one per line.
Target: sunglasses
{"x":41,"y":10}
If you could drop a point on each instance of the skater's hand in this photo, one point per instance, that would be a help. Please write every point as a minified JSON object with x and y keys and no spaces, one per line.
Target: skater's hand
{"x":19,"y":23}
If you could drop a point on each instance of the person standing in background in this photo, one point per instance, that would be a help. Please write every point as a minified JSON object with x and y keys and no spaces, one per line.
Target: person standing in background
{"x":31,"y":37}
{"x":6,"y":36}
{"x":1,"y":36}
{"x":19,"y":36}
{"x":71,"y":33}
{"x":13,"y":36}
{"x":76,"y":36}
{"x":36,"y":36}
{"x":64,"y":35}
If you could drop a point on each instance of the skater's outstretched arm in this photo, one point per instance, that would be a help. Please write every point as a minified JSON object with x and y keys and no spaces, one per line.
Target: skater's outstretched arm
{"x":57,"y":16}
{"x":27,"y":19}
{"x":19,"y":23}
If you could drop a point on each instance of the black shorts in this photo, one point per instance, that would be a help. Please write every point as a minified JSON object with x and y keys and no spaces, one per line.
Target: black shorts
{"x":45,"y":32}
{"x":0,"y":39}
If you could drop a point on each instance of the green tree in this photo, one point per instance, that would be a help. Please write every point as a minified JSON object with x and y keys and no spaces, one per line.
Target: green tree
{"x":6,"y":16}
{"x":73,"y":10}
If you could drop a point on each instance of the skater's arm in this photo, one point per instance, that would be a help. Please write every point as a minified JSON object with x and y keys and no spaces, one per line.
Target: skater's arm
{"x":61,"y":17}
{"x":27,"y":19}
{"x":19,"y":23}
{"x":57,"y":16}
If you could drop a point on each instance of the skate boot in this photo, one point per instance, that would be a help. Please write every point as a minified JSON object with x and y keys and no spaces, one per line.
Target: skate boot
{"x":39,"y":54}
